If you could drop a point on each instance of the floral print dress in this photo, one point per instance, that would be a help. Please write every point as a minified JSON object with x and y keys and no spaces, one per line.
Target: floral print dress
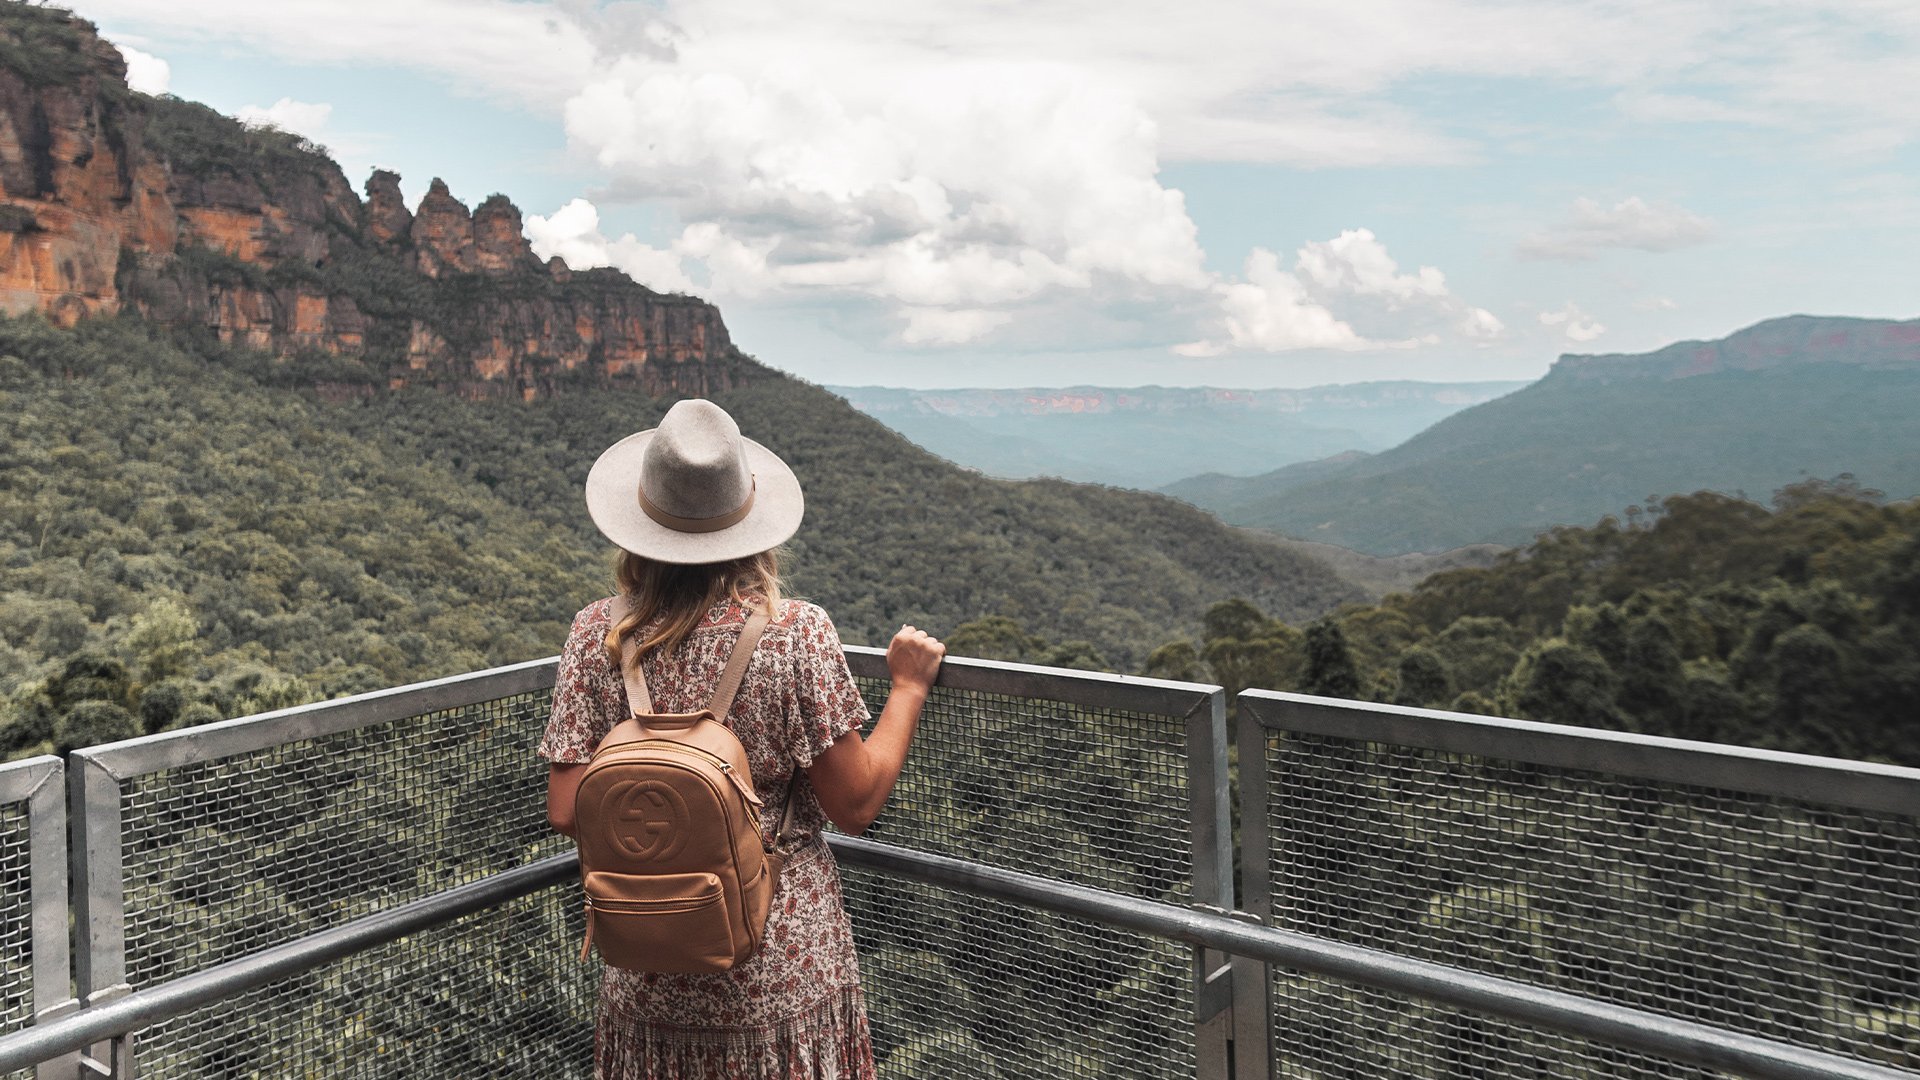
{"x":793,"y":1010}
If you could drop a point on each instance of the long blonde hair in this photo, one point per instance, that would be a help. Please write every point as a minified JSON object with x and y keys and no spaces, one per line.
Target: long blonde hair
{"x":680,"y":596}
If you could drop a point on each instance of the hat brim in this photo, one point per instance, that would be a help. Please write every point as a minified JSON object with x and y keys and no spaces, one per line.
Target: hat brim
{"x":613,"y":501}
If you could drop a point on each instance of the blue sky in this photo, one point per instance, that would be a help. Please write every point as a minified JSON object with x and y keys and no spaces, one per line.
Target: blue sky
{"x":943,"y":193}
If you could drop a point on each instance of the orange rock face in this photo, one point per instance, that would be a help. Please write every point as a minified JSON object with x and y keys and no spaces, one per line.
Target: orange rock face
{"x":442,"y":234}
{"x":387,"y":215}
{"x":234,"y":232}
{"x":499,"y":245}
{"x":272,"y":249}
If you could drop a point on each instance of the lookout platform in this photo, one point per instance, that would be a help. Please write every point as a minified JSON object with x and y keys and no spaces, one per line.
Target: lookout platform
{"x":1080,"y":875}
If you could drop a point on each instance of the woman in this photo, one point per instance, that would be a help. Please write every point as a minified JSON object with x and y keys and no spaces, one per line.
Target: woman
{"x":698,"y":511}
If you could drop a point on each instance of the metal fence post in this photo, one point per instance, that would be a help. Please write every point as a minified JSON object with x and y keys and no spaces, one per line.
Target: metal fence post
{"x":1252,"y":979}
{"x":52,"y":951}
{"x":37,"y":786}
{"x":1209,"y":803}
{"x":99,"y":897}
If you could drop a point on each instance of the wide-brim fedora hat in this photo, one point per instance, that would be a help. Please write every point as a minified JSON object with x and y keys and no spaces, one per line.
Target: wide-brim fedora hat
{"x":693,"y":490}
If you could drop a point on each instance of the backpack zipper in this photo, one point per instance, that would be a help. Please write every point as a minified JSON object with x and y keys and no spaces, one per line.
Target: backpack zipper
{"x":664,"y":906}
{"x":726,"y":768}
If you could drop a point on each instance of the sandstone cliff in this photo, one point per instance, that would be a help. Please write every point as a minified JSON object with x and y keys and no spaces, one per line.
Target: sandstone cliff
{"x":112,"y":200}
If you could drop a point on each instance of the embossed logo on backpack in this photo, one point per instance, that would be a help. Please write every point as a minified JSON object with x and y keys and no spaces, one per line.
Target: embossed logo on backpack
{"x":649,"y":820}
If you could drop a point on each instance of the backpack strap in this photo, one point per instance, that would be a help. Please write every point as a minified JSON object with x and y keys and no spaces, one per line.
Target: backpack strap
{"x":737,"y":664}
{"x":640,"y":702}
{"x":779,"y":840}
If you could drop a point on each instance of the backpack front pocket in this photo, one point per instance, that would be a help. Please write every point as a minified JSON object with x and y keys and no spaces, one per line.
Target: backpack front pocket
{"x":660,"y":922}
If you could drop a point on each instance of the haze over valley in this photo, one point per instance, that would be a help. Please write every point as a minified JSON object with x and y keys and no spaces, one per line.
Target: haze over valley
{"x":1145,"y":437}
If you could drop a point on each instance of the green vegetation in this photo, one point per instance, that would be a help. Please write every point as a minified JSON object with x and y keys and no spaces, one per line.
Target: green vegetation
{"x":893,"y":534}
{"x":1703,"y":616}
{"x":179,"y":542}
{"x":17,"y":219}
{"x":234,"y":546}
{"x":206,"y":145}
{"x":47,"y":46}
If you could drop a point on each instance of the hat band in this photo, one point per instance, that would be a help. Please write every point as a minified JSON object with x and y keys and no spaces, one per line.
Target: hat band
{"x":699,"y":525}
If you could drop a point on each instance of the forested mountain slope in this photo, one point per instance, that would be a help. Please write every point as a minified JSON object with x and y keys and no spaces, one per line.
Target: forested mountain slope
{"x":183,"y":535}
{"x":1795,"y":627}
{"x":1778,"y":402}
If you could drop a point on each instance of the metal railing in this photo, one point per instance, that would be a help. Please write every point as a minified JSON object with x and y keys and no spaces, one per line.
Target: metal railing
{"x":195,"y":847}
{"x":367,"y":887}
{"x":1772,"y":894}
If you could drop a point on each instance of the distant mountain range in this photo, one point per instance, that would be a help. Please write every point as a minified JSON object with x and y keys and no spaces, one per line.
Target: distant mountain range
{"x":1149,"y":436}
{"x":1785,"y":400}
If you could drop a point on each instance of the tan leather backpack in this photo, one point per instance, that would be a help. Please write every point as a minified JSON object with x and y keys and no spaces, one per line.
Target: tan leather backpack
{"x":668,"y":824}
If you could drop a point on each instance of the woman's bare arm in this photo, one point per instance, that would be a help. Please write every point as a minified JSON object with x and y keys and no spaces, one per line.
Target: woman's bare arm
{"x":563,"y":783}
{"x":854,"y":776}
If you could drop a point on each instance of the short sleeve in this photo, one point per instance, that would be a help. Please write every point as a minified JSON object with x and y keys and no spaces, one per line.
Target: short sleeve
{"x":826,"y":703}
{"x":583,"y":710}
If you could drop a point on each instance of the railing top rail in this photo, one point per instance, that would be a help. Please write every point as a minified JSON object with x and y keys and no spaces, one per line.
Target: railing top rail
{"x":1860,"y":785}
{"x":227,"y":738}
{"x":242,"y":735}
{"x":20,"y":779}
{"x":1070,"y":686}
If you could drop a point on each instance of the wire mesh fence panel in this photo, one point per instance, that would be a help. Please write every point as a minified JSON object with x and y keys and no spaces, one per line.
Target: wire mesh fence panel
{"x":957,"y":985}
{"x":16,"y":918}
{"x":1092,"y":796}
{"x":228,"y":857}
{"x":1783,"y":919}
{"x":1330,"y":1030}
{"x":491,"y":996}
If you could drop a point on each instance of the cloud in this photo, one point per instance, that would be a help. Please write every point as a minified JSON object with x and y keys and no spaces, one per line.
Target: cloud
{"x":304,"y":118}
{"x":1591,"y":228}
{"x":1357,"y":262}
{"x":501,"y":48}
{"x":958,"y":188}
{"x":573,"y":233}
{"x":1346,"y":294}
{"x":1685,"y":108}
{"x":1657,"y":303}
{"x":1271,"y":311}
{"x":146,"y":73}
{"x":941,"y":326}
{"x":1308,"y":84}
{"x":1575,"y":323}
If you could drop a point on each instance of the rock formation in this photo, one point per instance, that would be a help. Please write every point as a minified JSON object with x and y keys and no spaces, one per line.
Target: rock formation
{"x":387,"y":213}
{"x":113,"y":200}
